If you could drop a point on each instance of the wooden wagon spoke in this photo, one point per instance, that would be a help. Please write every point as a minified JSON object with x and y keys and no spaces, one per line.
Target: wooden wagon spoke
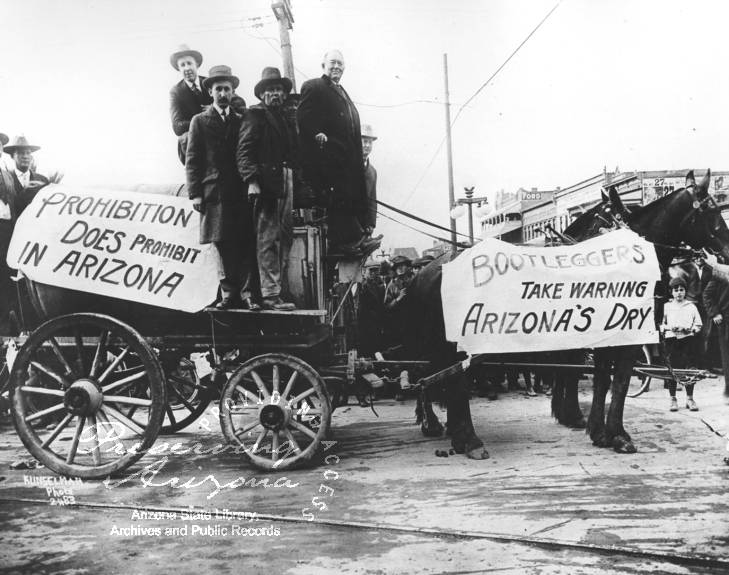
{"x":275,"y":377}
{"x":274,"y":445}
{"x":100,"y":353}
{"x":113,"y":364}
{"x":170,"y":414}
{"x":247,"y":394}
{"x":77,"y":435}
{"x":247,"y":428}
{"x":302,"y":428}
{"x":42,"y":390}
{"x":80,"y":350}
{"x":242,"y":409}
{"x":39,"y":414}
{"x":95,"y":453}
{"x":261,"y":437}
{"x":119,"y":416}
{"x":302,"y":395}
{"x":57,"y":430}
{"x":101,"y":415}
{"x":186,"y":403}
{"x":52,"y":374}
{"x":260,"y":384}
{"x":291,"y":440}
{"x":289,"y":385}
{"x":59,"y":354}
{"x":128,"y":400}
{"x":124,"y":380}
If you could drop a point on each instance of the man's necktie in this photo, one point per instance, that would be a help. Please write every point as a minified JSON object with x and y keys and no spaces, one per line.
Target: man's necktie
{"x":195,"y":90}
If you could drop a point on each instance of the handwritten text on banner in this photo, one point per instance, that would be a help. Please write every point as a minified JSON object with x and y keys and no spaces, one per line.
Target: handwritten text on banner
{"x":498,"y":297}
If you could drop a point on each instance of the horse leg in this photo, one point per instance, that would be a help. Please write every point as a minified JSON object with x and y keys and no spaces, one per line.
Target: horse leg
{"x":617,"y":435}
{"x":600,"y":385}
{"x":573,"y":416}
{"x":430,"y":425}
{"x":558,"y":399}
{"x":460,"y":425}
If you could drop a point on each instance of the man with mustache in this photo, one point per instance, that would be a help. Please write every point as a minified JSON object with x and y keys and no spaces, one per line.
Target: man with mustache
{"x":265,"y":159}
{"x":187,"y":97}
{"x":331,"y":149}
{"x":217,"y":192}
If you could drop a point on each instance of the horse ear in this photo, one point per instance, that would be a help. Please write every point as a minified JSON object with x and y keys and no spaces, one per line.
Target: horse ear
{"x":605,"y":197}
{"x":616,"y":202}
{"x":703,"y":189}
{"x":690,"y":179}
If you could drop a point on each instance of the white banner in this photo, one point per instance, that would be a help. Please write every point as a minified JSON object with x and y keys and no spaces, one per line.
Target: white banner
{"x":498,"y":297}
{"x":134,"y":246}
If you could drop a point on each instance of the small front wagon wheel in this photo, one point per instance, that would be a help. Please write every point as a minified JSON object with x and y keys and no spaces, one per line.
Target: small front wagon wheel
{"x":276,"y":409}
{"x":87,"y":394}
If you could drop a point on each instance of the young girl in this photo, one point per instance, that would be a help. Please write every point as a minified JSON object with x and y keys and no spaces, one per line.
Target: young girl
{"x":681,"y":321}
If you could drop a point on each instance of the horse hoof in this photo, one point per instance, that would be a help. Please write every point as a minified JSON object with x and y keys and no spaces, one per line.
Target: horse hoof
{"x":621,"y":445}
{"x":578,"y":423}
{"x":600,"y":440}
{"x":478,"y":453}
{"x":432,"y":429}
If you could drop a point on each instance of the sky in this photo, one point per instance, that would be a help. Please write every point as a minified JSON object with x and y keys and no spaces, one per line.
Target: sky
{"x":633,"y":84}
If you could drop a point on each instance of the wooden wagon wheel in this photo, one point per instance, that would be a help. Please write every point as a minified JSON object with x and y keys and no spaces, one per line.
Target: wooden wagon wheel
{"x":73,"y":403}
{"x":643,"y":381}
{"x":187,"y":397}
{"x":276,"y":408}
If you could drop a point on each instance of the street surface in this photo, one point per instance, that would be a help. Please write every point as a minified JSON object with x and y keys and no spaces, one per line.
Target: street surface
{"x":546,"y":501}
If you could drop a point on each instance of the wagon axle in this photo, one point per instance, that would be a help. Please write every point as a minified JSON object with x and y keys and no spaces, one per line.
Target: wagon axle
{"x":83,"y":397}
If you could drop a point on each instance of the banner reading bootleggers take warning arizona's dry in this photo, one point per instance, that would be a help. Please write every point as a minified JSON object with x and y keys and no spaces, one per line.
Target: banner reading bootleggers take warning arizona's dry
{"x":134,"y":246}
{"x":498,"y":297}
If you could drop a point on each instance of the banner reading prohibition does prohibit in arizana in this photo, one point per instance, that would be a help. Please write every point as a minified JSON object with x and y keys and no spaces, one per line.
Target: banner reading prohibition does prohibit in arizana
{"x":499,"y":297}
{"x":133,"y":246}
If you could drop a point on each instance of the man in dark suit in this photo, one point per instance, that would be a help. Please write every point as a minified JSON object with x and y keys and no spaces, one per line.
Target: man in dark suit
{"x":331,"y":151}
{"x":716,"y":301}
{"x":17,"y":190}
{"x":265,"y":157}
{"x":368,"y":139}
{"x":217,"y":192}
{"x":188,"y":96}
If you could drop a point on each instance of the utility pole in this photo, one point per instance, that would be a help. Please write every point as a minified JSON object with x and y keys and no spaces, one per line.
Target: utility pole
{"x":469,"y":200}
{"x":282,"y":11}
{"x":451,"y":194}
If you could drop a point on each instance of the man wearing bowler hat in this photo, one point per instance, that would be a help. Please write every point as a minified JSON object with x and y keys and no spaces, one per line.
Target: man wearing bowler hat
{"x":217,"y":192}
{"x":188,"y":96}
{"x":265,"y":158}
{"x":370,"y":217}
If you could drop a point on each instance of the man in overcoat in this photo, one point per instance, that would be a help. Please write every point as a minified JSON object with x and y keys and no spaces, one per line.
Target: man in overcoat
{"x":188,"y":96}
{"x":265,"y":156}
{"x":331,"y":152}
{"x":368,"y":140}
{"x":17,"y":190}
{"x":716,"y":302}
{"x":217,"y":192}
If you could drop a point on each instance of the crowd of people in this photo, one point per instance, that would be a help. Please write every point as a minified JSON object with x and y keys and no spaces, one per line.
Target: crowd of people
{"x":245,"y":166}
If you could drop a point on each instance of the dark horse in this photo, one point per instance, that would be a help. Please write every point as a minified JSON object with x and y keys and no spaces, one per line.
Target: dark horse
{"x":687,"y":215}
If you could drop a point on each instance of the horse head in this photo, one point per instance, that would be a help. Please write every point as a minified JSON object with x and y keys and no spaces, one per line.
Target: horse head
{"x":703,"y":225}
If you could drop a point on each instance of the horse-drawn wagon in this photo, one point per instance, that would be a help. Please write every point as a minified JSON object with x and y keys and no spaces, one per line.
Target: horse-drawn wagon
{"x":107,"y":368}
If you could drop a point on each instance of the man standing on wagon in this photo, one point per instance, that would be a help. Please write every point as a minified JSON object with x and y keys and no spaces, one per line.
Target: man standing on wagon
{"x":217,"y":192}
{"x":331,"y":151}
{"x":265,"y":156}
{"x":187,"y":97}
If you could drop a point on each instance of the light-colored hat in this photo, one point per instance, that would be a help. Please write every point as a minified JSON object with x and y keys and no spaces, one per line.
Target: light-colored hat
{"x":4,"y":139}
{"x":270,"y":76}
{"x":184,"y":50}
{"x":368,"y":132}
{"x":220,"y":73}
{"x":20,"y":142}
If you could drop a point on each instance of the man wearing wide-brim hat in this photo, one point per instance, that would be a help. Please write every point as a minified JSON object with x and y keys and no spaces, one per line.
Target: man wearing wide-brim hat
{"x":188,"y":96}
{"x":265,"y":157}
{"x":370,"y":174}
{"x":217,"y":192}
{"x":17,"y":190}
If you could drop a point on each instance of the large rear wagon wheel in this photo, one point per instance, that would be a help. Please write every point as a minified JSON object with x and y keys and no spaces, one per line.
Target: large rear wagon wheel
{"x":75,"y":386}
{"x":276,"y":409}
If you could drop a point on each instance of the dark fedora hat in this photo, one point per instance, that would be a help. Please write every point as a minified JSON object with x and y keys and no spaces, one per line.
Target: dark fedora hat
{"x":399,"y":260}
{"x":271,"y":75}
{"x":4,"y":139}
{"x":184,"y":50}
{"x":20,"y":142}
{"x":218,"y":73}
